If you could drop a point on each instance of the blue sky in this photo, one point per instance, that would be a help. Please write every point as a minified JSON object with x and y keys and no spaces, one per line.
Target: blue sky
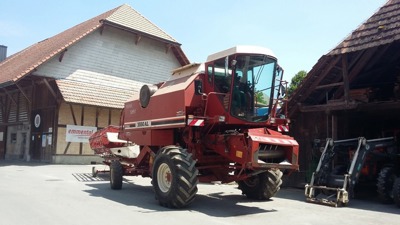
{"x":299,"y":32}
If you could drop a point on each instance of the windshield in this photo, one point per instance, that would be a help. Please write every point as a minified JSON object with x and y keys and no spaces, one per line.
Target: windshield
{"x":252,"y":87}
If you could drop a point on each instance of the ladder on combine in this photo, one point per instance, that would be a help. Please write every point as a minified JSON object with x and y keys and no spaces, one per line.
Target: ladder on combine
{"x":339,"y":168}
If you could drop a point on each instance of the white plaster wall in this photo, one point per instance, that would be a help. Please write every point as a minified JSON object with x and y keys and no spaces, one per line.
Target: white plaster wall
{"x":114,"y":53}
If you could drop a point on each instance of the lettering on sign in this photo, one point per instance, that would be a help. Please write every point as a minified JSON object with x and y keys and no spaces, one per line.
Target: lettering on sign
{"x":79,"y":133}
{"x":143,"y":124}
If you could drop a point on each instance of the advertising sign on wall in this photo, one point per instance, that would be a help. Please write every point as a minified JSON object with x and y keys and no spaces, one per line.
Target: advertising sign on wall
{"x":79,"y":133}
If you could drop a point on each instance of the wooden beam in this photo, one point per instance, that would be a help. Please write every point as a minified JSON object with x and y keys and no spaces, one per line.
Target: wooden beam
{"x":97,"y":117}
{"x":23,"y":93}
{"x":357,"y":66}
{"x":3,"y":108}
{"x":355,"y":59}
{"x":82,"y":122}
{"x":362,"y":62}
{"x":321,"y":76}
{"x":101,"y":30}
{"x":73,"y":114}
{"x":10,"y":96}
{"x":329,"y":107}
{"x":66,"y":148}
{"x":138,"y":38}
{"x":82,"y":114}
{"x":109,"y":116}
{"x":345,"y":77}
{"x":167,"y":48}
{"x":329,"y":85}
{"x":46,"y":82}
{"x":62,"y":55}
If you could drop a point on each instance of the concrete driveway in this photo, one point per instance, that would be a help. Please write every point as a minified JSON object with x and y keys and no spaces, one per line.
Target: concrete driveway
{"x":67,"y":194}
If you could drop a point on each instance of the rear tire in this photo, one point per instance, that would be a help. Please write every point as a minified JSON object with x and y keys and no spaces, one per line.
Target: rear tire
{"x":385,"y":183}
{"x":94,"y":171}
{"x":116,"y":173}
{"x":396,"y":191}
{"x":262,"y":186}
{"x":174,"y":177}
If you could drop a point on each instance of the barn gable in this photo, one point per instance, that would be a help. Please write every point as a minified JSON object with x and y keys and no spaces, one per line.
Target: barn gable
{"x":79,"y":79}
{"x":364,"y":65}
{"x":353,"y":91}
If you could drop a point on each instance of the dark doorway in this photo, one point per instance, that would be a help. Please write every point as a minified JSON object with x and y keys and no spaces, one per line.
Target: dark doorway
{"x":3,"y":138}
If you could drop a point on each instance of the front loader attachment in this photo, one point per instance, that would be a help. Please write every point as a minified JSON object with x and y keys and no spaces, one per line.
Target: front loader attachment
{"x":339,"y":168}
{"x":337,"y":197}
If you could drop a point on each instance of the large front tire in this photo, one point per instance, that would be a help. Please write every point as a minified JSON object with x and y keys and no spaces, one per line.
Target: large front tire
{"x":174,"y":177}
{"x":385,"y":183}
{"x":262,"y":186}
{"x":116,"y":173}
{"x":396,"y":191}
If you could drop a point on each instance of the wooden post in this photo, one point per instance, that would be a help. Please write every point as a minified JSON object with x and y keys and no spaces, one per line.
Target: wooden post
{"x":334,"y":126}
{"x":345,"y":78}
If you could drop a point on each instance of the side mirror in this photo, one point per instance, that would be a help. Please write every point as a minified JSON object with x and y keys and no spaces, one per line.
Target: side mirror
{"x":198,"y":87}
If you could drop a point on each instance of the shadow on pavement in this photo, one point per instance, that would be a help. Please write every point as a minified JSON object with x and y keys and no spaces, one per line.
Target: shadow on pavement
{"x":365,"y":200}
{"x":217,"y":203}
{"x":213,"y":204}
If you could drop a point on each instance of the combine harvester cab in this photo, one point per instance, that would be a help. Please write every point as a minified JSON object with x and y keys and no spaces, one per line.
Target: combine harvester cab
{"x":218,"y":121}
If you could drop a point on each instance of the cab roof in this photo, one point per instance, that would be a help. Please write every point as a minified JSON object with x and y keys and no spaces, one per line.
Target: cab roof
{"x":241,"y":49}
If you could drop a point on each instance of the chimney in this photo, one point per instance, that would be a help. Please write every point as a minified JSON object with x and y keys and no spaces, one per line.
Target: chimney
{"x":3,"y":52}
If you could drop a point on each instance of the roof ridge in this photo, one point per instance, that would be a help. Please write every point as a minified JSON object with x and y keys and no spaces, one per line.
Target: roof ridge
{"x":152,"y":23}
{"x":113,"y":17}
{"x":49,"y":47}
{"x":25,"y":61}
{"x":341,"y":47}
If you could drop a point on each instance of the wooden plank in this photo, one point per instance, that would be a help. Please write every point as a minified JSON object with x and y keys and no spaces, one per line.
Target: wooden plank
{"x":50,"y":89}
{"x":333,"y":106}
{"x":66,"y":148}
{"x":345,"y":77}
{"x":23,"y":93}
{"x":73,"y":114}
{"x":329,"y":85}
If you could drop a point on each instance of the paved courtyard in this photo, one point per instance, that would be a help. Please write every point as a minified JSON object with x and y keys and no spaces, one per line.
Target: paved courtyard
{"x":48,"y":194}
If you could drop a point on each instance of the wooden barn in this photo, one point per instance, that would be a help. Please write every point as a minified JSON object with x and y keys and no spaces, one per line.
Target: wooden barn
{"x":58,"y":91}
{"x":353,"y":91}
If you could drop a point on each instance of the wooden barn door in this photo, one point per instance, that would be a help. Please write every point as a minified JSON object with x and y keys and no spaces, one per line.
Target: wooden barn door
{"x":42,"y":120}
{"x":42,"y":134}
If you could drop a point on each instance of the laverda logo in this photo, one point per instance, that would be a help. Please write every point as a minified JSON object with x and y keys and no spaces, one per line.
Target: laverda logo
{"x":143,"y":124}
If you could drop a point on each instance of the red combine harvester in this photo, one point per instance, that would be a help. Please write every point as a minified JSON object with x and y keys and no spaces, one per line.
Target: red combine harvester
{"x":217,"y":121}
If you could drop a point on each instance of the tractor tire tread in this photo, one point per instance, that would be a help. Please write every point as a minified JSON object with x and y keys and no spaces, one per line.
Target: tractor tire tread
{"x":268,"y":184}
{"x":116,"y":175}
{"x":185,"y":187}
{"x":396,"y":191}
{"x":384,"y":185}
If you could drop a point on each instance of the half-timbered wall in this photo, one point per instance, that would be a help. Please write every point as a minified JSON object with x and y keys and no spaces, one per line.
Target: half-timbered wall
{"x":85,"y":116}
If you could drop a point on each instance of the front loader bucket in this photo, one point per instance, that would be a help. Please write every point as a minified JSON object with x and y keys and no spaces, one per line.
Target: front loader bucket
{"x":329,"y":181}
{"x":335,"y":196}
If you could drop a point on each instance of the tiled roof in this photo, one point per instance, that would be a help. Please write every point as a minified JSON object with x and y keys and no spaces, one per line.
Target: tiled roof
{"x":93,"y":94}
{"x":90,"y":88}
{"x":128,"y":17}
{"x":381,"y":28}
{"x":24,"y":62}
